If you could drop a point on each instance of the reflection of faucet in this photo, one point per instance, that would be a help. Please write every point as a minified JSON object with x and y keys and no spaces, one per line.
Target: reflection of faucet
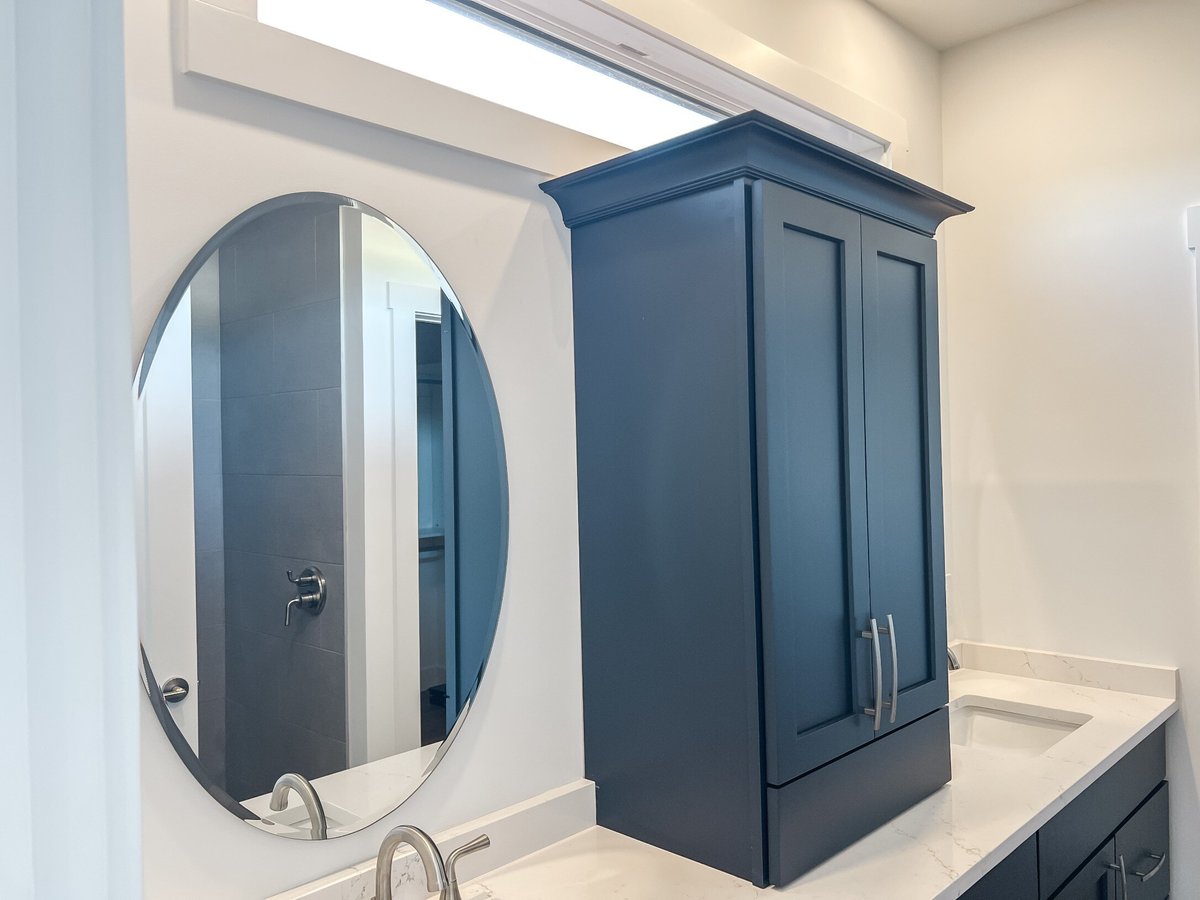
{"x":305,"y":791}
{"x":436,"y":877}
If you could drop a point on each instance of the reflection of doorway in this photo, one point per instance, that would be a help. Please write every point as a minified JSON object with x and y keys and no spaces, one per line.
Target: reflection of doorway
{"x":387,"y":287}
{"x":431,"y":507}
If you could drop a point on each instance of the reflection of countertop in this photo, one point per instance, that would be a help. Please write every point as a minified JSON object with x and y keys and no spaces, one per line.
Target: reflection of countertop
{"x":358,"y":791}
{"x":935,"y":850}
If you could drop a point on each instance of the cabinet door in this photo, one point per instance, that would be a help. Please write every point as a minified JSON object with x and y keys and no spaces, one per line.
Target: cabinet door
{"x":904,"y":477}
{"x":811,"y":480}
{"x":1096,"y":880}
{"x":1142,"y":845}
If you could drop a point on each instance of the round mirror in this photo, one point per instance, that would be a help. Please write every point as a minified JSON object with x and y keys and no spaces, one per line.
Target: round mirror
{"x":323,"y":513}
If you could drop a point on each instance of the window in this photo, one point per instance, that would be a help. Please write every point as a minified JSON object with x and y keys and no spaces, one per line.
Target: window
{"x":480,"y":55}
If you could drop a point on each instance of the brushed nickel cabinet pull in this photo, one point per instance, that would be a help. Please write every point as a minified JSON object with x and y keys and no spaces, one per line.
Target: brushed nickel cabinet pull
{"x":890,"y":631}
{"x":877,"y":669}
{"x":1160,"y":861}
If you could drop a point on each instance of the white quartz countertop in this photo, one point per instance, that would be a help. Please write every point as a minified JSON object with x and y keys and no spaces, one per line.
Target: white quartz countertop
{"x":935,"y":850}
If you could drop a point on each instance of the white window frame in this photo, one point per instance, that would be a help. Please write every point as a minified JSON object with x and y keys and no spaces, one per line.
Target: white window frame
{"x":223,"y":40}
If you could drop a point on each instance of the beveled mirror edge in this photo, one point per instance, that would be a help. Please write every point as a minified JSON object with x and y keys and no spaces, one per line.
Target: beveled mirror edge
{"x":171,"y":730}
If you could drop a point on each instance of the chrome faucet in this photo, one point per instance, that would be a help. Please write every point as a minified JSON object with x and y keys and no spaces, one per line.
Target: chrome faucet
{"x":952,"y":660}
{"x":290,"y":781}
{"x":440,"y":877}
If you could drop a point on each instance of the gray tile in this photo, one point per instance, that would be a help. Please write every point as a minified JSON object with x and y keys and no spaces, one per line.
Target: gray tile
{"x":259,"y":592}
{"x":311,"y":754}
{"x":254,"y":752}
{"x":211,"y":733}
{"x":315,"y":697}
{"x":328,"y":629}
{"x":210,"y":588}
{"x":206,"y":364}
{"x":209,"y":512}
{"x":251,"y":513}
{"x":308,"y":347}
{"x":309,"y":425}
{"x":251,"y":439}
{"x":206,"y":437}
{"x":246,"y":348}
{"x":327,"y":254}
{"x":276,"y":265}
{"x":229,"y":309}
{"x":255,"y":670}
{"x":210,"y":662}
{"x":206,"y":332}
{"x":310,"y":524}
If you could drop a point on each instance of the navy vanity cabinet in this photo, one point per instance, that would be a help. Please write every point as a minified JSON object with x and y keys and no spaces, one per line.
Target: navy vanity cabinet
{"x":756,"y":413}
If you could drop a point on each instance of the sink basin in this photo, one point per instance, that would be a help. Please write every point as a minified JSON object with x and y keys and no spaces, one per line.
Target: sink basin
{"x":1014,"y":729}
{"x":296,"y":816}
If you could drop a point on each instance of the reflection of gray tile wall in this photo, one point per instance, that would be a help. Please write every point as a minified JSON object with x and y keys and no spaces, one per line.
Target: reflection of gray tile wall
{"x":282,"y":470}
{"x":207,"y":480}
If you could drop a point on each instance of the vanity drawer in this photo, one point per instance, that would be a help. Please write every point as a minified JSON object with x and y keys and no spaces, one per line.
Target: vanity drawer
{"x":1092,"y":817}
{"x":1015,"y":878}
{"x":821,"y":813}
{"x":1143,"y":843}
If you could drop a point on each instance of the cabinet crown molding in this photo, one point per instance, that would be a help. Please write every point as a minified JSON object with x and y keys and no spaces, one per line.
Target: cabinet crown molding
{"x":750,"y":145}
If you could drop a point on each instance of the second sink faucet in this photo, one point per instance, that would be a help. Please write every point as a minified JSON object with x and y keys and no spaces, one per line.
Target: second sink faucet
{"x":441,"y":876}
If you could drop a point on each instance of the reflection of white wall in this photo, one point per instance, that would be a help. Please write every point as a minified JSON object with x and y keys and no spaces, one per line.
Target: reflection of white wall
{"x":166,"y":515}
{"x":385,"y":286}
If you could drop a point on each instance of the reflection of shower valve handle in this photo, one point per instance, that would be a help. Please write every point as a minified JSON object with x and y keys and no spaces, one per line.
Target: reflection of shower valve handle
{"x":308,"y":579}
{"x":310,"y":593}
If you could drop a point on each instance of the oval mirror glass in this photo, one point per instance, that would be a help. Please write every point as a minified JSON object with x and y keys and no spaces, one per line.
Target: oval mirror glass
{"x":323,"y":516}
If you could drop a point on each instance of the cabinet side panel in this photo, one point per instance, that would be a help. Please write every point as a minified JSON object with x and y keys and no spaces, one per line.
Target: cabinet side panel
{"x":666,"y":508}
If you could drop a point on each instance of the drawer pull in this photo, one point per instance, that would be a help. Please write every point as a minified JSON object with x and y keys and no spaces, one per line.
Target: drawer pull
{"x":877,"y":670}
{"x":1160,"y":861}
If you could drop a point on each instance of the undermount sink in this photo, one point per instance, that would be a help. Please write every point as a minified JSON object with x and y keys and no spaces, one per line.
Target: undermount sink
{"x":1015,"y":729}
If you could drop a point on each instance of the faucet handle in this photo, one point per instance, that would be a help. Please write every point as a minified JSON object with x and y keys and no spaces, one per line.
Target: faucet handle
{"x":480,"y":843}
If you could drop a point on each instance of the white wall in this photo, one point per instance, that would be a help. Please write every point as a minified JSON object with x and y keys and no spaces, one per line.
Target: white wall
{"x":199,"y":153}
{"x":1072,"y":348}
{"x":848,"y":42}
{"x":68,"y":689}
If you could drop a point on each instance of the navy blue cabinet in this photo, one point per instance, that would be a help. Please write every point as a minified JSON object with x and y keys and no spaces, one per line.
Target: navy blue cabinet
{"x":761,"y":567}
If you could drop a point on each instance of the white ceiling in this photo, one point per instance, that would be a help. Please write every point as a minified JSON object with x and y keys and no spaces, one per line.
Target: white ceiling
{"x":947,"y":23}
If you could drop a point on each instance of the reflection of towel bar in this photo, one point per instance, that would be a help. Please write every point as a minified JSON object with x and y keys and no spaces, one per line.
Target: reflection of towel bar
{"x":431,"y":543}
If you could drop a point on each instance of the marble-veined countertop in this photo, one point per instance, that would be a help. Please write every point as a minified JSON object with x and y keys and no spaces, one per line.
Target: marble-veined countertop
{"x":935,"y":850}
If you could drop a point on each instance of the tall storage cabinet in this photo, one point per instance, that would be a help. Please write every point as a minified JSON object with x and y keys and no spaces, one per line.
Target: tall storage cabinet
{"x":759,"y":494}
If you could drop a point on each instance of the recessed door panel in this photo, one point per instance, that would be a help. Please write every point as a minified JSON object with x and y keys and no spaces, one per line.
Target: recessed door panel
{"x":904,"y":506}
{"x":812,"y":531}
